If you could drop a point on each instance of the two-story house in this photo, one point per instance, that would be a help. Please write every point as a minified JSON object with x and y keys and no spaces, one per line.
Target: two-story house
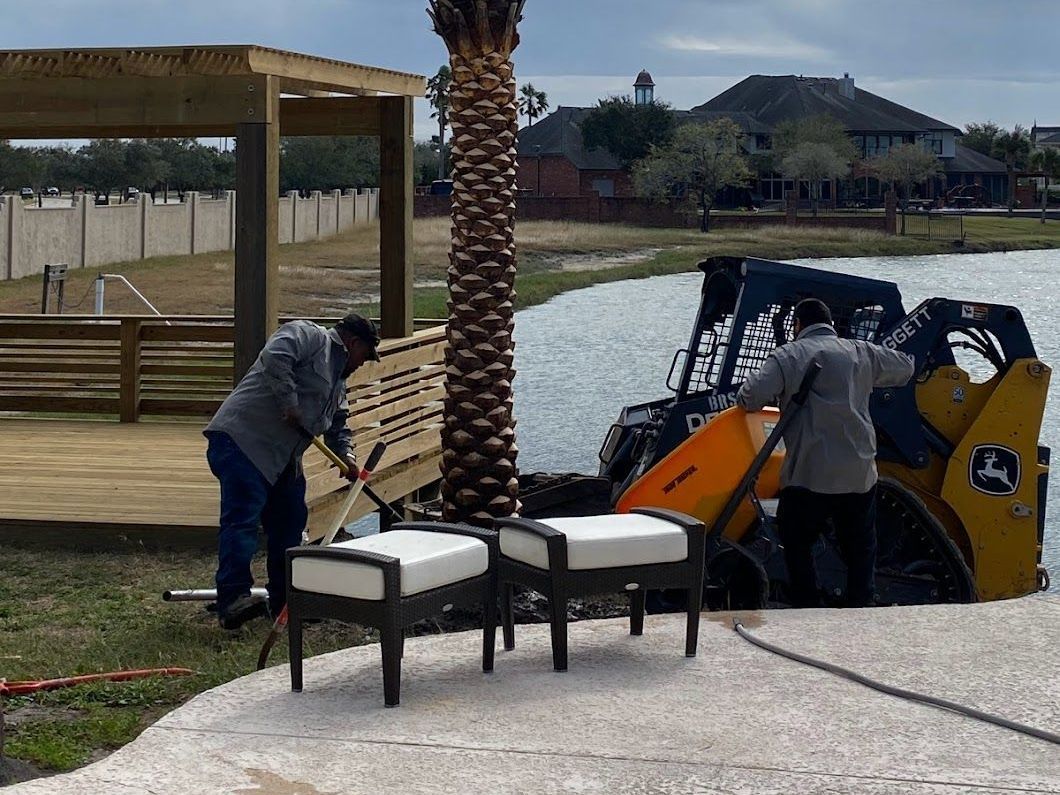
{"x":554,"y":161}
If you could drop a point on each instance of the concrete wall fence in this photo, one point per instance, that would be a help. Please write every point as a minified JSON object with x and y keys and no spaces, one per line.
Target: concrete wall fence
{"x":84,"y":235}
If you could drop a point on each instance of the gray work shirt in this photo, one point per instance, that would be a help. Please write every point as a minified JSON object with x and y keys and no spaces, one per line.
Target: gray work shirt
{"x":831,"y":443}
{"x":300,"y":366}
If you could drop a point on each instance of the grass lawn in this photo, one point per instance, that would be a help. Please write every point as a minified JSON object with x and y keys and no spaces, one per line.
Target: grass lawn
{"x":328,"y":277}
{"x":67,"y":612}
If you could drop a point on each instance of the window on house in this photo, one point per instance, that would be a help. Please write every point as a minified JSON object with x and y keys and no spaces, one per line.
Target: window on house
{"x":763,"y":141}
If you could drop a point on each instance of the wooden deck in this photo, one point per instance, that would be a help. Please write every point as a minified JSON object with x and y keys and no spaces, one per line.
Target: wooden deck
{"x":145,"y":481}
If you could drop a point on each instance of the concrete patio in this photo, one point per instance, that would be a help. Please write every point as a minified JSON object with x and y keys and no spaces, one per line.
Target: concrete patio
{"x":631,"y":714}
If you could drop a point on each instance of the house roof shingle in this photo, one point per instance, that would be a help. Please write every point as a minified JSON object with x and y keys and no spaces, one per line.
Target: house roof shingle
{"x":777,"y":98}
{"x":560,"y":133}
{"x":969,"y":161}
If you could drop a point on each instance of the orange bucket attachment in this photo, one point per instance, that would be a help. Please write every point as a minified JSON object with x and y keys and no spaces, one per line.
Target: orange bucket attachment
{"x":700,"y":476}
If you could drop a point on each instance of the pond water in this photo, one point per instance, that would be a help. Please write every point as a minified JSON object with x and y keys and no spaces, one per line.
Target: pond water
{"x":584,"y":355}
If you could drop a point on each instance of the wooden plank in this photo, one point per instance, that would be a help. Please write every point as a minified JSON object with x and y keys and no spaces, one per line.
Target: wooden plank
{"x":182,"y":407}
{"x":325,"y":73}
{"x":189,"y":333}
{"x":421,"y":376}
{"x":257,"y":213}
{"x":398,"y":363}
{"x":397,"y":407}
{"x":395,"y":216}
{"x":127,"y":106}
{"x":129,"y":410}
{"x":218,"y":370}
{"x":329,"y":116}
{"x":61,"y":404}
{"x":58,"y":366}
{"x":68,"y":330}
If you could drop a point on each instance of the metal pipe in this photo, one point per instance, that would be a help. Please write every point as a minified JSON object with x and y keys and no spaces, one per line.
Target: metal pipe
{"x":99,"y":294}
{"x":203,"y":595}
{"x":137,"y":293}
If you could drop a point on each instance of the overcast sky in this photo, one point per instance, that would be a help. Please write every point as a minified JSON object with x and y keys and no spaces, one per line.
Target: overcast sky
{"x":955,"y":60}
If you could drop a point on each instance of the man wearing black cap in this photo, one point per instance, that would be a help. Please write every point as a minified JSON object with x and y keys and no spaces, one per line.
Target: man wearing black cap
{"x":295,"y":390}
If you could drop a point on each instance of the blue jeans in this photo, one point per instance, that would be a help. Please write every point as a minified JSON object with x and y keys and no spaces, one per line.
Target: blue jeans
{"x":247,"y":500}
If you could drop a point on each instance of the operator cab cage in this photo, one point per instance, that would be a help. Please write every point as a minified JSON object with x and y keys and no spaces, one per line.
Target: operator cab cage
{"x":746,"y":313}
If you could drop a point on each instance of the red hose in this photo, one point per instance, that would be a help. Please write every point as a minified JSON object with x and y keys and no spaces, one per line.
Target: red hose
{"x":22,"y":688}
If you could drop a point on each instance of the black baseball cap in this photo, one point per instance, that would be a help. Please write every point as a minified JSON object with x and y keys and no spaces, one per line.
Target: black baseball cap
{"x":362,"y":327}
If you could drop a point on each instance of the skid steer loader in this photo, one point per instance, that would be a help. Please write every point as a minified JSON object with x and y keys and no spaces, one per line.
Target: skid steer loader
{"x":962,"y":494}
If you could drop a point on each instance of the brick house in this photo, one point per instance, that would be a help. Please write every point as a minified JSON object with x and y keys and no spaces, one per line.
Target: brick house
{"x":553,"y":160}
{"x":874,"y":123}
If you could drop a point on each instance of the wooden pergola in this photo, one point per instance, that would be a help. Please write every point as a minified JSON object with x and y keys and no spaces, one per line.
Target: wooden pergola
{"x":256,"y":95}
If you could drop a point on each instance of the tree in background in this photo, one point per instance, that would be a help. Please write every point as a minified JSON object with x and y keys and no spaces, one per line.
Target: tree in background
{"x":813,"y":149}
{"x":903,"y":167}
{"x":438,"y":96}
{"x":1048,"y":162}
{"x":702,"y":158}
{"x":980,"y":136}
{"x":479,"y":475}
{"x":103,"y":165}
{"x":425,"y":160}
{"x":1014,"y":148}
{"x":327,"y":162}
{"x":20,"y":167}
{"x":627,"y":130}
{"x":532,"y":103}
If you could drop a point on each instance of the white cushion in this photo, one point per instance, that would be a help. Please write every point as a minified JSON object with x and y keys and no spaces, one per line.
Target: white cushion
{"x":428,"y":560}
{"x":601,"y":542}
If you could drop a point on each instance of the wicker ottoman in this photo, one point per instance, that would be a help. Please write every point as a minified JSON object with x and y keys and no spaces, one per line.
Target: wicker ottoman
{"x":391,"y":580}
{"x":577,"y":556}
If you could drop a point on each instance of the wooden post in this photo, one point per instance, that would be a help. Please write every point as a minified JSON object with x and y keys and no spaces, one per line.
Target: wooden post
{"x":395,"y":216}
{"x":257,"y":212}
{"x":129,"y":394}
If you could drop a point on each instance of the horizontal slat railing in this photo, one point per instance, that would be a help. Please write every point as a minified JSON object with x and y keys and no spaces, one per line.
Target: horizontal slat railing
{"x":130,"y":367}
{"x":175,"y":366}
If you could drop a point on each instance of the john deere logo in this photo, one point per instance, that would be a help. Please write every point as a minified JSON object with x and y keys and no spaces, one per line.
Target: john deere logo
{"x":994,"y":470}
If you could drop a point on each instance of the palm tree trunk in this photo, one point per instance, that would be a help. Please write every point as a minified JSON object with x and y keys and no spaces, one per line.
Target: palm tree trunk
{"x":479,"y":475}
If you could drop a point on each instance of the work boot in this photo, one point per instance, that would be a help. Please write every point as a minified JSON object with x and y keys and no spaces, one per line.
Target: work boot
{"x":245,"y":608}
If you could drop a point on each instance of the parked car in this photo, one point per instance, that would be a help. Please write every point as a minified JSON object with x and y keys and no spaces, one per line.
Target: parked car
{"x":26,"y":193}
{"x":52,"y":191}
{"x":132,"y":194}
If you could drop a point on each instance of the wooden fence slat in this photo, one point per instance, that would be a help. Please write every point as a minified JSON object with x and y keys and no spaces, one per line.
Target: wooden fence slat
{"x":58,"y":366}
{"x":80,"y":405}
{"x":188,"y":333}
{"x":64,"y":330}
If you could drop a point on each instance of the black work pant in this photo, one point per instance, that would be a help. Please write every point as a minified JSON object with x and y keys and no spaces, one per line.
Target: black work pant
{"x":801,"y":518}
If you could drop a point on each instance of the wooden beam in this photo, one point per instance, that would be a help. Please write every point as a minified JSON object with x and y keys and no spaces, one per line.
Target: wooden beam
{"x":395,"y":216}
{"x":45,"y":107}
{"x":334,"y":75}
{"x":330,"y":116}
{"x":257,"y":211}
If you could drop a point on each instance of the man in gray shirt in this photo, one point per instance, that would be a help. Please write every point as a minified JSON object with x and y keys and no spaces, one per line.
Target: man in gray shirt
{"x":829,"y":471}
{"x":295,"y":390}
